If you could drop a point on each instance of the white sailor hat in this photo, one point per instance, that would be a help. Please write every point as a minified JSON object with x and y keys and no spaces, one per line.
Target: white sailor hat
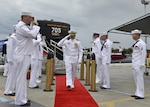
{"x":96,"y":33}
{"x":26,"y":14}
{"x":136,"y":31}
{"x":72,"y":32}
{"x":104,"y":34}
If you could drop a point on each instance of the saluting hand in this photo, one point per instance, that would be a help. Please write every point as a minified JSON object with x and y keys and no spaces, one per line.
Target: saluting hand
{"x":35,"y":23}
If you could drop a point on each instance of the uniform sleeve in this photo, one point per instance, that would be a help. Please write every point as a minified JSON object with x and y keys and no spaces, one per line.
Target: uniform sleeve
{"x":30,"y":33}
{"x":108,"y":47}
{"x":80,"y":52}
{"x":37,"y":42}
{"x":61,"y":43}
{"x":143,"y":49}
{"x":10,"y":49}
{"x":42,"y":43}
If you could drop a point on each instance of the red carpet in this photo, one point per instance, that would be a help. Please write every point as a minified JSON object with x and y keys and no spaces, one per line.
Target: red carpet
{"x":77,"y":97}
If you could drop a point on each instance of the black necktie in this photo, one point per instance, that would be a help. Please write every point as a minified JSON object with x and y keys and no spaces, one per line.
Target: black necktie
{"x":135,"y":43}
{"x":103,"y":46}
{"x":28,"y":27}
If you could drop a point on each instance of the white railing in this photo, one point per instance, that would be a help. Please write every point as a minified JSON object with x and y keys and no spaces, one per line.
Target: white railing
{"x":54,"y":44}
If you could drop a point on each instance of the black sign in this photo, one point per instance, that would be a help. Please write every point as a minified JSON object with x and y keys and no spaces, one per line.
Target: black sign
{"x":53,"y":30}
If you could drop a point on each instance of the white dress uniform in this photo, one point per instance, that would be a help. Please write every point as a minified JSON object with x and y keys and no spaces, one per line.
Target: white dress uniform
{"x":73,"y":56}
{"x":24,"y":49}
{"x":96,"y":49}
{"x":11,"y":58}
{"x":64,"y":53}
{"x":40,"y":58}
{"x":34,"y":61}
{"x":138,"y":64}
{"x":106,"y":60}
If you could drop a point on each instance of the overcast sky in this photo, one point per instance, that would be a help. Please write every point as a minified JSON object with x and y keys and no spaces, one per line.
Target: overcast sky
{"x":84,"y":16}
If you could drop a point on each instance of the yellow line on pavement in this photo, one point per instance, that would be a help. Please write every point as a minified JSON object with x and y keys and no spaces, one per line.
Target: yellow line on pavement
{"x":11,"y":97}
{"x":112,"y":103}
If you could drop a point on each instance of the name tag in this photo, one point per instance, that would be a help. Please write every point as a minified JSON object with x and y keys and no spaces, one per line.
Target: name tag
{"x":136,"y":48}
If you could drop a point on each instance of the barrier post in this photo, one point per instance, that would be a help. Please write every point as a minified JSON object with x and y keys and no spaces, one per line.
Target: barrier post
{"x":87,"y":78}
{"x":147,"y":66}
{"x":93,"y":75}
{"x":49,"y":71}
{"x":82,"y":69}
{"x":52,"y":67}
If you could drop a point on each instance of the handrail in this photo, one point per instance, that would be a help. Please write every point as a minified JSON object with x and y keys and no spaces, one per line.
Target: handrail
{"x":52,"y":41}
{"x":47,"y":48}
{"x":54,"y":44}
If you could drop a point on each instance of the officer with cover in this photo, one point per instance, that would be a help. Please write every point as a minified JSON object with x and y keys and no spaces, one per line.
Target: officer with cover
{"x":73,"y":56}
{"x":138,"y":63}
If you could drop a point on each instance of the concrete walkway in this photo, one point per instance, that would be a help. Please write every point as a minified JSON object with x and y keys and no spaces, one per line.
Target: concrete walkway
{"x":122,"y":86}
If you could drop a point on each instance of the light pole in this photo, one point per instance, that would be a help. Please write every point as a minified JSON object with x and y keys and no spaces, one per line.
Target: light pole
{"x":145,"y":2}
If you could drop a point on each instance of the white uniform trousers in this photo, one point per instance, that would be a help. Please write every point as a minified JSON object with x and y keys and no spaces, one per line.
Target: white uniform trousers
{"x":11,"y":78}
{"x":23,"y":63}
{"x":34,"y":72}
{"x":106,"y":77}
{"x":39,"y":72}
{"x":139,"y":81}
{"x":98,"y":70}
{"x":5,"y":66}
{"x":71,"y":69}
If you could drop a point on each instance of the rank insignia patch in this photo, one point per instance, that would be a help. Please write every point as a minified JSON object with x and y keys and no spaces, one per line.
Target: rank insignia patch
{"x":75,"y":45}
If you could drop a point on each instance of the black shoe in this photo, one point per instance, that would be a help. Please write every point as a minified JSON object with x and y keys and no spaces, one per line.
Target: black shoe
{"x":12,"y":94}
{"x":102,"y":87}
{"x":69,"y":87}
{"x":28,"y":100}
{"x":34,"y":87}
{"x":139,"y":97}
{"x":26,"y":104}
{"x":133,"y":96}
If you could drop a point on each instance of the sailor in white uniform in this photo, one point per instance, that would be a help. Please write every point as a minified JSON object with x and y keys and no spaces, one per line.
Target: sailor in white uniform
{"x":35,"y":62}
{"x":40,"y":59}
{"x":138,"y":63}
{"x":11,"y":58}
{"x":73,"y":56}
{"x":96,"y":49}
{"x":24,"y":36}
{"x":106,"y":60}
